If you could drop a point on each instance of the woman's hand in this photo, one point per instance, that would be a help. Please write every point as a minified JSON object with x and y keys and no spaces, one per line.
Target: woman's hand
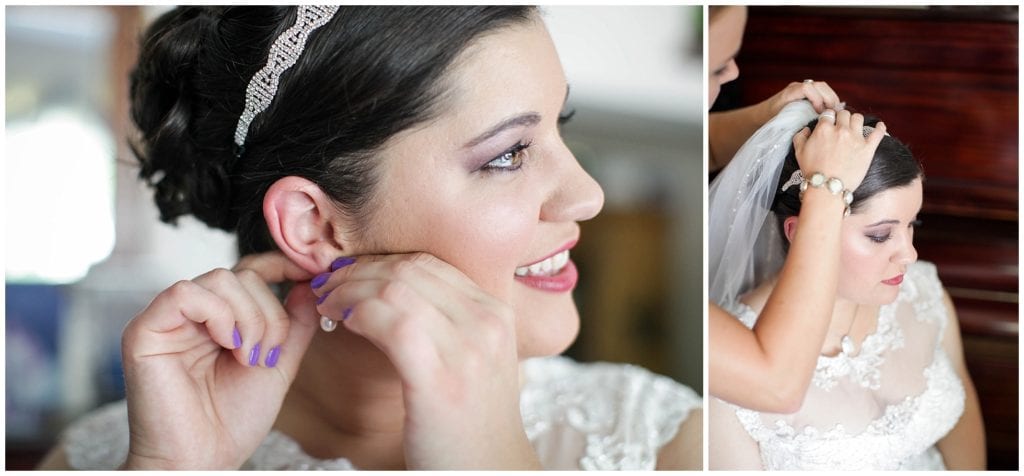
{"x":208,"y":362}
{"x":454,"y":347}
{"x":838,"y":149}
{"x":818,"y":93}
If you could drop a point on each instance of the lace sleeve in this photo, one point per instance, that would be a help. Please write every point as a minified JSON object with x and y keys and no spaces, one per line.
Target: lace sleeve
{"x":98,"y":440}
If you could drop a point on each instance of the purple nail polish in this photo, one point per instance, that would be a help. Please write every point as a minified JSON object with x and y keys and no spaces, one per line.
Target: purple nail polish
{"x":342,"y":262}
{"x":346,"y":313}
{"x":254,"y":355}
{"x":272,"y":356}
{"x":236,"y":338}
{"x":320,"y":299}
{"x":319,"y":280}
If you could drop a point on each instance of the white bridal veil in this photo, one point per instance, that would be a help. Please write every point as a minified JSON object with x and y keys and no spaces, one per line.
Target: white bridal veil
{"x":744,"y":243}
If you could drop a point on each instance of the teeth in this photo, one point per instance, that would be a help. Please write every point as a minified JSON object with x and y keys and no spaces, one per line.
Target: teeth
{"x":548,"y":267}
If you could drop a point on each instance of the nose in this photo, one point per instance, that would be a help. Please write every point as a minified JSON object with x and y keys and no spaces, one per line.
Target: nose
{"x":732,"y":72}
{"x":906,"y":254}
{"x":576,"y":195}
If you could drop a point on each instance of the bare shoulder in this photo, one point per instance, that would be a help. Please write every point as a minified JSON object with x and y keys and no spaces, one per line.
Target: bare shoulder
{"x":685,"y":451}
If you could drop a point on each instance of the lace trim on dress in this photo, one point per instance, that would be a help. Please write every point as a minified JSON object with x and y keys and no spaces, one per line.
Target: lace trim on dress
{"x":622,"y":414}
{"x":906,"y":422}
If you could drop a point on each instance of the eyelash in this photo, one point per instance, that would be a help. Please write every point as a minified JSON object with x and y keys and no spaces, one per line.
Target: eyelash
{"x":883,"y":239}
{"x":566,"y":117}
{"x":514,"y":154}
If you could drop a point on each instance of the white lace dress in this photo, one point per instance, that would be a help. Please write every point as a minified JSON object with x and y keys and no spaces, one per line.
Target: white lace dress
{"x":883,"y":408}
{"x":597,"y":416}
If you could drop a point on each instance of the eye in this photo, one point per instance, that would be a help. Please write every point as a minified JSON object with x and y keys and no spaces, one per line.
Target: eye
{"x":880,"y":237}
{"x":510,"y":160}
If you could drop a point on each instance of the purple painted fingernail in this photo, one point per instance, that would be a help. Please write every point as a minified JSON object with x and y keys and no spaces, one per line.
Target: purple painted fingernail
{"x":342,"y":262}
{"x":319,"y":280}
{"x":254,"y":355}
{"x":320,"y":299}
{"x":236,"y":338}
{"x":346,"y":313}
{"x":272,"y":356}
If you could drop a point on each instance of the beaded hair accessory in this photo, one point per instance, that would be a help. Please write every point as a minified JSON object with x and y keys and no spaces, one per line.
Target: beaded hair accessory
{"x":284,"y":52}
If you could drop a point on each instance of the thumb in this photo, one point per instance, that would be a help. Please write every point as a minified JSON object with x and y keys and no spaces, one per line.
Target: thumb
{"x":305,"y":320}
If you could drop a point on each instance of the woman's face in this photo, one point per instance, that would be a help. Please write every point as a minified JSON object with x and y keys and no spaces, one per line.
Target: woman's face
{"x":490,"y":187}
{"x":725,"y":35}
{"x":878,"y":244}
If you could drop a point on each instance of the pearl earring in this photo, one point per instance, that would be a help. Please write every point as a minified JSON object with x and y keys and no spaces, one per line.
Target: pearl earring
{"x":328,"y":324}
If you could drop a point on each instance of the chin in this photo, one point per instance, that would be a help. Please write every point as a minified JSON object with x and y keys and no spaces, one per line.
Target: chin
{"x":547,"y":333}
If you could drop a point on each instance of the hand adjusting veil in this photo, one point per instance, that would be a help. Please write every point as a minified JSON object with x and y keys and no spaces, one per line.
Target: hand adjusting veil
{"x":744,"y":242}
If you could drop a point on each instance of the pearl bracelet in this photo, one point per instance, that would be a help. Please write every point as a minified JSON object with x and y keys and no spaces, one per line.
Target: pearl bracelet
{"x":818,"y":180}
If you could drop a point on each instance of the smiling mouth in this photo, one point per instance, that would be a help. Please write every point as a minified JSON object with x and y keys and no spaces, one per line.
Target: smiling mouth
{"x":546,"y":267}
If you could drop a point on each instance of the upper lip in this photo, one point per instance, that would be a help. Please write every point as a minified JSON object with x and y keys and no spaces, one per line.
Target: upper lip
{"x":895,"y":277}
{"x":567,"y":245}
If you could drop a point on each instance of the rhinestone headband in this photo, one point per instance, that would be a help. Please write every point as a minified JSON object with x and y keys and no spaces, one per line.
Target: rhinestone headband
{"x":283,"y":54}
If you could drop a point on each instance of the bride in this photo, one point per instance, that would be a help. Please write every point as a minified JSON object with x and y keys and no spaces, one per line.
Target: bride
{"x":890,"y":390}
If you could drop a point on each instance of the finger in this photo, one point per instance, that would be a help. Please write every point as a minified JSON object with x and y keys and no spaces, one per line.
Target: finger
{"x":180,"y":304}
{"x":276,"y":321}
{"x":828,"y":96}
{"x":273,"y":267}
{"x":409,"y":266}
{"x":801,"y":138}
{"x":843,"y":119}
{"x":876,"y":136}
{"x":249,"y":318}
{"x":857,"y":123}
{"x":304,"y":322}
{"x":814,"y":96}
{"x":828,"y":116}
{"x":407,"y":289}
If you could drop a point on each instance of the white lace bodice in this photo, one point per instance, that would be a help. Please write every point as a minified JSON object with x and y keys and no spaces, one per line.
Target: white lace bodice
{"x":884,"y":407}
{"x":577,"y":416}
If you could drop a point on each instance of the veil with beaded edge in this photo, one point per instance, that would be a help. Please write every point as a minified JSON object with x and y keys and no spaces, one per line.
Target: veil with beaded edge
{"x":744,"y":243}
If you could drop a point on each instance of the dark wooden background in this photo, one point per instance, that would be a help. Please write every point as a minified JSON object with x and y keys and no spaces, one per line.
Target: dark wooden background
{"x":944,"y":80}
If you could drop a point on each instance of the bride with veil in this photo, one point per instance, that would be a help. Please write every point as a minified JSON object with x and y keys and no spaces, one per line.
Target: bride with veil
{"x":890,"y":389}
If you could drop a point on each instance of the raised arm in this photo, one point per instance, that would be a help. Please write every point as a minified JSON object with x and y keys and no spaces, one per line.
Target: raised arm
{"x":769,"y":368}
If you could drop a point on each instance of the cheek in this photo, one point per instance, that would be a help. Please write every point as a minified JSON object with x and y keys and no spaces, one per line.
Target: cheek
{"x":860,"y":267}
{"x":483,"y":240}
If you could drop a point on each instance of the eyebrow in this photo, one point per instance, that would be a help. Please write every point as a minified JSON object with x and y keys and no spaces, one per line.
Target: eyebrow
{"x":522,"y":120}
{"x":884,"y":222}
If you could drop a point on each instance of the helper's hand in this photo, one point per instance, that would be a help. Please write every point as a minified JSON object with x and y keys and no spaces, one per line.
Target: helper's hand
{"x":819,"y":93}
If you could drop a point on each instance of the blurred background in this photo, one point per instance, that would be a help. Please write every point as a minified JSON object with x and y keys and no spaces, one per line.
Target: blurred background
{"x":85,"y":250}
{"x":945,"y":81}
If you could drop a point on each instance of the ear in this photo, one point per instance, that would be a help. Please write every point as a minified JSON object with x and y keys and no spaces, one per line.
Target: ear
{"x":789,"y":227}
{"x":301,"y":218}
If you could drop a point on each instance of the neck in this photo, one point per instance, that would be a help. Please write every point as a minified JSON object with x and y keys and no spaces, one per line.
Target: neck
{"x":852,"y":319}
{"x":346,"y":401}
